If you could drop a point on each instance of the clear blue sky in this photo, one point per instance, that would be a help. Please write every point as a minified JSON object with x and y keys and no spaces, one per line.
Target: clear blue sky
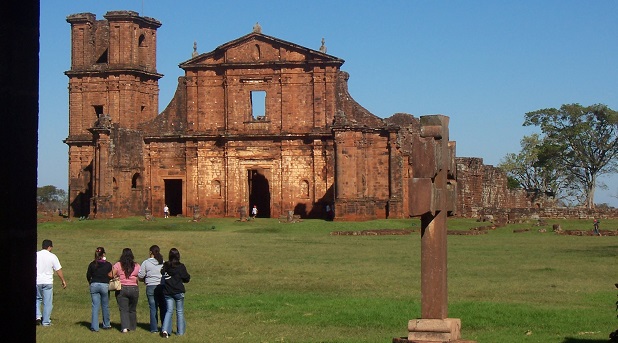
{"x":482,"y":63}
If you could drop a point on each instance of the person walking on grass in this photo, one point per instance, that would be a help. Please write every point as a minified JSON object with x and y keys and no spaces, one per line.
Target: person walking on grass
{"x":596,"y":227}
{"x":150,"y":273}
{"x":98,"y":278}
{"x":46,"y":264}
{"x":127,"y":269}
{"x":175,"y":275}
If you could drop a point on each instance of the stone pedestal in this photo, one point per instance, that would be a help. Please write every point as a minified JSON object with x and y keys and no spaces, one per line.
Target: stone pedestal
{"x":242,"y":211}
{"x":147,"y":214}
{"x":441,"y":330}
{"x":405,"y":340}
{"x":433,"y":331}
{"x":196,"y":213}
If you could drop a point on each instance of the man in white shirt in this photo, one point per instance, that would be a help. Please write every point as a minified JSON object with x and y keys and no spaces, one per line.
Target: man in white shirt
{"x":46,"y":264}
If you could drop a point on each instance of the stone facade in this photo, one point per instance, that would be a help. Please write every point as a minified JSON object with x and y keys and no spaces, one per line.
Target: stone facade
{"x":483,"y":189}
{"x":257,"y":121}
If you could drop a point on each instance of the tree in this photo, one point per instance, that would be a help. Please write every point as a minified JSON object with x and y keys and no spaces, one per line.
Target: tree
{"x":582,"y":141}
{"x":512,"y":183}
{"x":530,"y":170}
{"x":51,"y":197}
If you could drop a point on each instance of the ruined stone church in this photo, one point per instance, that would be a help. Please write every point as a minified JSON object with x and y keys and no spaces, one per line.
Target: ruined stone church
{"x":256,"y":121}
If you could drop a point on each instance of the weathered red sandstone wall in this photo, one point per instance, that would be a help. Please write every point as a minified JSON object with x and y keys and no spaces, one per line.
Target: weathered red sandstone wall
{"x":513,"y":215}
{"x":212,"y":151}
{"x":470,"y":184}
{"x":287,"y":142}
{"x":126,"y":159}
{"x":363,"y":175}
{"x":113,"y":75}
{"x":483,"y":186}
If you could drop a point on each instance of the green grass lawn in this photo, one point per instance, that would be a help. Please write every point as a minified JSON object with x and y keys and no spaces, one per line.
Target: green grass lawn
{"x":265,"y":281}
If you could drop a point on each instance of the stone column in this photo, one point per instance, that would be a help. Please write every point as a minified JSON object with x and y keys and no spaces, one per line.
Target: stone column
{"x":192,"y":198}
{"x":102,"y":170}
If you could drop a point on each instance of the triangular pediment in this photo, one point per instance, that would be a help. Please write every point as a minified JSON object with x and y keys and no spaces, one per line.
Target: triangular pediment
{"x":259,"y":49}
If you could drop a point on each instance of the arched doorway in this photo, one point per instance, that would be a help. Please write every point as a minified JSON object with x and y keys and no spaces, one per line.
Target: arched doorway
{"x":259,"y":193}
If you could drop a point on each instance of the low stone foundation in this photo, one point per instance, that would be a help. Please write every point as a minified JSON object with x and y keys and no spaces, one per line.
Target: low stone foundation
{"x":380,"y":232}
{"x":587,"y":233}
{"x":405,"y":340}
{"x":433,"y":331}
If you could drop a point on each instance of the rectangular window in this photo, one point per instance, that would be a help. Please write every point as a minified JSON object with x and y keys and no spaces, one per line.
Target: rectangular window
{"x":258,"y":105}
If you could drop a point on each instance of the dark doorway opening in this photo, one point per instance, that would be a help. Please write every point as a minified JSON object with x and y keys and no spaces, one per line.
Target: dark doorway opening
{"x":80,"y":207}
{"x":173,"y":196}
{"x":259,"y":193}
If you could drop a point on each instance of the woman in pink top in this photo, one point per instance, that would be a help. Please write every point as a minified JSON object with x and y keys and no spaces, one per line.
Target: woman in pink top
{"x":127,"y":269}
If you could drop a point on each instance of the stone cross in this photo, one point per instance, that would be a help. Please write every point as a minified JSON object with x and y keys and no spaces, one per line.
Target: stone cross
{"x":433,"y":197}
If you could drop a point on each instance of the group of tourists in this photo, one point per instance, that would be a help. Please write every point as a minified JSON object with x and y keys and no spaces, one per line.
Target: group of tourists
{"x":164,"y":282}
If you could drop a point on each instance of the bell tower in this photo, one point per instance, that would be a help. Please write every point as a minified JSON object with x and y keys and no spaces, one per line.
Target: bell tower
{"x":113,"y":79}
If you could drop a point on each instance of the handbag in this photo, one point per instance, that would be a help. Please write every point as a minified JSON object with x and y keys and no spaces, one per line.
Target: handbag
{"x":114,"y":284}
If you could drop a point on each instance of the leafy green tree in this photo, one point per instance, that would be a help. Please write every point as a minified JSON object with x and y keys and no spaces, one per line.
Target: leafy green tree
{"x":512,"y":183}
{"x":581,"y":141}
{"x":530,"y":170}
{"x":51,"y":197}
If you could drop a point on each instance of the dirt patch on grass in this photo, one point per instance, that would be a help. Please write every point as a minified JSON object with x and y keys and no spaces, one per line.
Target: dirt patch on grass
{"x":377,"y":232}
{"x":470,"y":232}
{"x":587,"y":233}
{"x":45,"y":217}
{"x":399,"y":232}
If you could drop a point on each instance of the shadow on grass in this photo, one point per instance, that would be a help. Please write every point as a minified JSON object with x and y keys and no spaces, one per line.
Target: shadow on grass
{"x":583,"y":340}
{"x":601,"y":251}
{"x":115,"y":326}
{"x":260,"y":230}
{"x":86,"y":325}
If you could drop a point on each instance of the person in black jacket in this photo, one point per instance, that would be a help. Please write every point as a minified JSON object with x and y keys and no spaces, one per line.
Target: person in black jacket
{"x":174,"y":275}
{"x":98,"y":278}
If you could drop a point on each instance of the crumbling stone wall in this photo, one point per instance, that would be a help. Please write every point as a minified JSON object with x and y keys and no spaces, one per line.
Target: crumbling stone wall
{"x":113,"y":77}
{"x":483,"y":186}
{"x":513,"y":215}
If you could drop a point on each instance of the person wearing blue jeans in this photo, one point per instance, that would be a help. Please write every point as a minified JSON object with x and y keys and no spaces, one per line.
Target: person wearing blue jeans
{"x":46,"y":264}
{"x":175,"y":275}
{"x":177,"y":299}
{"x":99,"y":292}
{"x":98,"y":276}
{"x":156,"y":303}
{"x":150,"y":274}
{"x":45,"y":297}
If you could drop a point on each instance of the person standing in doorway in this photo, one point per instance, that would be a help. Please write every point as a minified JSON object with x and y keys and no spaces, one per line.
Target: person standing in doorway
{"x":46,"y":264}
{"x":254,"y":212}
{"x":166,"y":211}
{"x":330,"y":214}
{"x":175,"y":275}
